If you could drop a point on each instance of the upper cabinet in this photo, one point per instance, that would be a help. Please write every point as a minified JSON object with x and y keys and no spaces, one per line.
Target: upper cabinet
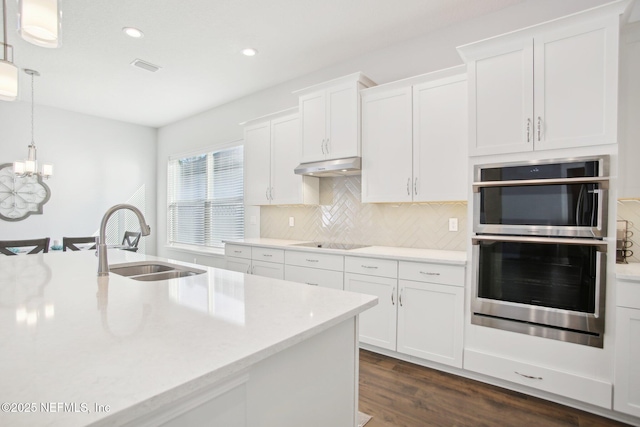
{"x":551,"y":86}
{"x":414,"y":139}
{"x":330,"y":118}
{"x":271,"y":152}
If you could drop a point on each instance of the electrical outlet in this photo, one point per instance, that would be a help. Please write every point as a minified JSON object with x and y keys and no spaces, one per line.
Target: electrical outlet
{"x":453,"y":224}
{"x":291,"y":221}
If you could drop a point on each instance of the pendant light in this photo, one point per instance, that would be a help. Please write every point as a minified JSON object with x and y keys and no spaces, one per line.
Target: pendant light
{"x":8,"y":71}
{"x":30,"y":166}
{"x":39,"y":22}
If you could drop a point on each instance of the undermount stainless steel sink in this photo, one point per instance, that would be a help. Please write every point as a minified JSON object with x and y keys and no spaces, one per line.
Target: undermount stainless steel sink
{"x":149,"y":271}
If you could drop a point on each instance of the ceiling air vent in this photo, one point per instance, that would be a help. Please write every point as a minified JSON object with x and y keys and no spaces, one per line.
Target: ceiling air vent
{"x":145,"y":65}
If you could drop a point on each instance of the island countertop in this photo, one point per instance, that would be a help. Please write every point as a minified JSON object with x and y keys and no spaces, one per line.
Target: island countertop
{"x":72,"y":345}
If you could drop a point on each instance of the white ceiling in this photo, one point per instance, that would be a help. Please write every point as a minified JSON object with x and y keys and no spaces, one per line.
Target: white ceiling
{"x":197,"y":43}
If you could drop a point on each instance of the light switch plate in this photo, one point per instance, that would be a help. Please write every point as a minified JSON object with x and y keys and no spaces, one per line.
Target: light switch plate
{"x":291,"y":221}
{"x":453,"y":224}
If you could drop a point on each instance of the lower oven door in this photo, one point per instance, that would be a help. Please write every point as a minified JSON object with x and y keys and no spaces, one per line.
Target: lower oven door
{"x":550,"y":287}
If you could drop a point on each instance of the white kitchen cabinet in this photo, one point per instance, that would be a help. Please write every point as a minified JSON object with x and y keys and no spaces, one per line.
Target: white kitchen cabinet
{"x":315,"y":269}
{"x":431,"y":311}
{"x":330,"y":118}
{"x":626,"y":395}
{"x":550,"y":86}
{"x":415,"y":139}
{"x":266,"y":262}
{"x":377,"y":324}
{"x":430,"y":321}
{"x":387,"y":145}
{"x":314,"y":276}
{"x":272,"y":151}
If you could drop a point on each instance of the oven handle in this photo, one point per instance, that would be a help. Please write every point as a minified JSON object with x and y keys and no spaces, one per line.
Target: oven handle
{"x":602,"y":180}
{"x":601,"y":245}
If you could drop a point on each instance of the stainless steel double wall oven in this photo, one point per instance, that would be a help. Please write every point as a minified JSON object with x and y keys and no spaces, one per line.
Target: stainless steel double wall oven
{"x":539,"y":255}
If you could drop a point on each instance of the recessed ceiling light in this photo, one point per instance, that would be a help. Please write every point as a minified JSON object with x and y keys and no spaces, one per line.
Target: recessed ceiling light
{"x":133,"y":32}
{"x":249,"y":52}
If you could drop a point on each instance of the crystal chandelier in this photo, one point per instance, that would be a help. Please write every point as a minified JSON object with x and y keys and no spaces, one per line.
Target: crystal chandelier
{"x":29,"y":167}
{"x":8,"y":71}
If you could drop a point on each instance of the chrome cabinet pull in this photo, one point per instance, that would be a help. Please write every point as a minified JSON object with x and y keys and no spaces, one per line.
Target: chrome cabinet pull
{"x":253,"y":269}
{"x":529,"y":130}
{"x":327,"y":145}
{"x":528,"y":376}
{"x":248,"y":269}
{"x":270,"y":193}
{"x":266,"y":193}
{"x":392,"y":300}
{"x":311,"y":260}
{"x":539,"y":126}
{"x":415,"y":187}
{"x":267,"y":255}
{"x":312,"y":284}
{"x":400,"y":297}
{"x":369,"y":266}
{"x":322,"y":146}
{"x":428,"y":273}
{"x":237,"y":252}
{"x":408,"y":186}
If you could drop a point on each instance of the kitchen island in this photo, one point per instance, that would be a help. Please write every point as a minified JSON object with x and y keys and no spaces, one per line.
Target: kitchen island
{"x":228,"y":348}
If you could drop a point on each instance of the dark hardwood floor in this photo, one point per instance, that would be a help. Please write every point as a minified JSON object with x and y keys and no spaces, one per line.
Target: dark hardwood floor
{"x":401,"y":394}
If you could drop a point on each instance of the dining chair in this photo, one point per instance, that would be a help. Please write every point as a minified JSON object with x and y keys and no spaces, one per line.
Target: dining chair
{"x":39,"y":245}
{"x":131,"y":238}
{"x":71,"y":242}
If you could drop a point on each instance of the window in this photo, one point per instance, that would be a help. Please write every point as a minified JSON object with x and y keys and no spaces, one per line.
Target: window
{"x":205,"y":198}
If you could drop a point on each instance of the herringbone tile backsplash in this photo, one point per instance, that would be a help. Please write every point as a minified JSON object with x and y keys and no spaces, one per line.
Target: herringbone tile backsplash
{"x":341,"y":217}
{"x":630,"y":210}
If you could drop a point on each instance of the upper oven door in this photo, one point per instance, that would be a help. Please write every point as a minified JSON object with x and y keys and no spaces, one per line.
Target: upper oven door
{"x":564,"y":199}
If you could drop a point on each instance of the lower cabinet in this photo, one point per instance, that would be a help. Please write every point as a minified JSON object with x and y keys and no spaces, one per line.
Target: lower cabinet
{"x":626,"y":394}
{"x":314,"y":276}
{"x":378,"y":324}
{"x":430,"y":321}
{"x":316,"y":269}
{"x":266,"y":262}
{"x":420,"y":309}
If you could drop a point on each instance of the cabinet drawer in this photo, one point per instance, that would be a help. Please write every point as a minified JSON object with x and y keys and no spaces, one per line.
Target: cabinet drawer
{"x":432,"y":273}
{"x":371,"y":266}
{"x":315,"y":260}
{"x":584,"y":389}
{"x":628,"y":294}
{"x":238,"y":251}
{"x":267,"y":269}
{"x":314,"y":276}
{"x":267,"y":254}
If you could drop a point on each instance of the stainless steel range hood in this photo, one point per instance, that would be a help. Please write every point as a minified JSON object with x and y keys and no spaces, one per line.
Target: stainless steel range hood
{"x":337,"y":167}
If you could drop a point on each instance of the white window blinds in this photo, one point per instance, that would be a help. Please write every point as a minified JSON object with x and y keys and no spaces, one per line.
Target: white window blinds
{"x":205,"y":198}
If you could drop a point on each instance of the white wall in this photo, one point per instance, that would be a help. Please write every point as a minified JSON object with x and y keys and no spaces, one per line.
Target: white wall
{"x":417,"y":56}
{"x":97,"y":163}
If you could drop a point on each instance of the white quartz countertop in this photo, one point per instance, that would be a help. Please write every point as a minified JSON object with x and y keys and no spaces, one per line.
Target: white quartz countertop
{"x":402,"y":254}
{"x":67,"y":338}
{"x":629,"y":271}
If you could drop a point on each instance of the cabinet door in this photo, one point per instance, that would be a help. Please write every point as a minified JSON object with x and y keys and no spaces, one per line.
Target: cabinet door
{"x":267,"y":269}
{"x":576,"y":75}
{"x":626,"y":396}
{"x":377,"y":324}
{"x":629,"y":149}
{"x":343,"y":137}
{"x":386,"y":146}
{"x":241,"y":265}
{"x":285,"y":156}
{"x":501,"y":100}
{"x":440,"y":140}
{"x":313,"y":127}
{"x":257,"y":155}
{"x":314,"y":276}
{"x":430,"y":321}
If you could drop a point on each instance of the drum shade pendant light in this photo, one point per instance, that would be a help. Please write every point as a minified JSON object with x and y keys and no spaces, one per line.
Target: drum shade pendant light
{"x":39,"y":22}
{"x":8,"y":71}
{"x":29,"y":167}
